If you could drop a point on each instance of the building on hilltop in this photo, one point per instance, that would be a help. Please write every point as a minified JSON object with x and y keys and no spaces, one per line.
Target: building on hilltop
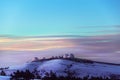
{"x":72,"y":56}
{"x":36,"y":59}
{"x":69,"y":56}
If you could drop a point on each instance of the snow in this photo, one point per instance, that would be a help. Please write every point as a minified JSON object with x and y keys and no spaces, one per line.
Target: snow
{"x":4,"y":77}
{"x":81,"y":69}
{"x":59,"y":66}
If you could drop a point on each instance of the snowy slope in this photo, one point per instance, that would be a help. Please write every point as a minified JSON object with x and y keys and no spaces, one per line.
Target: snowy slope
{"x":60,"y":66}
{"x":80,"y":69}
{"x":4,"y":78}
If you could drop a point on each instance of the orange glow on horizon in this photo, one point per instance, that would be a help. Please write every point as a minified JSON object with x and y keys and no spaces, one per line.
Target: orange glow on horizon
{"x":32,"y":44}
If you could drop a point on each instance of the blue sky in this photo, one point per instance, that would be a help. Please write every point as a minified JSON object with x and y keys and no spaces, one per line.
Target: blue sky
{"x":58,"y":17}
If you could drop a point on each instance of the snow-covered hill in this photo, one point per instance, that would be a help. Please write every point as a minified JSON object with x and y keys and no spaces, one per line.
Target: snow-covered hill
{"x":80,"y":69}
{"x":62,"y":66}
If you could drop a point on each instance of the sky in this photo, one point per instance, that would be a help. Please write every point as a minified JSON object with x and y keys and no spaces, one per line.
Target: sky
{"x":87,"y":28}
{"x":17,"y":51}
{"x":58,"y":17}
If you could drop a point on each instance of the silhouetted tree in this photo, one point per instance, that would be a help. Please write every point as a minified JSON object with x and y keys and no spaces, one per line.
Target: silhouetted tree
{"x":27,"y":75}
{"x":3,"y":73}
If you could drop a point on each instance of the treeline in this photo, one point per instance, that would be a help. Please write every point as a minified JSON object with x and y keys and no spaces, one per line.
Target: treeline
{"x":27,"y":75}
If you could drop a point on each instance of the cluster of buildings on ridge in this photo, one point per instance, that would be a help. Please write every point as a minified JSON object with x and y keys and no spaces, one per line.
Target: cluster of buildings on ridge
{"x":66,"y":56}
